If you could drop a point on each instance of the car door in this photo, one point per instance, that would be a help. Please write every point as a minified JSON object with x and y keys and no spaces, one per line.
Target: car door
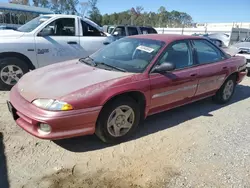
{"x":212,"y":69}
{"x":176,"y":87}
{"x":91,"y":39}
{"x":60,"y":44}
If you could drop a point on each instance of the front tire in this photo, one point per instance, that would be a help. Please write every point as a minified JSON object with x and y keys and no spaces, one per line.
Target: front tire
{"x":225,"y":93}
{"x":11,"y":70}
{"x":118,"y":120}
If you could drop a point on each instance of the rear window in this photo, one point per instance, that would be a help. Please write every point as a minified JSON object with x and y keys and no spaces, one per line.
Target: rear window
{"x":148,"y":30}
{"x":132,"y":31}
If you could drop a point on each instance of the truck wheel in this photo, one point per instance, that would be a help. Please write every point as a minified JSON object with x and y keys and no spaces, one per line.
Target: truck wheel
{"x":225,"y":93}
{"x":118,"y":120}
{"x":11,"y":70}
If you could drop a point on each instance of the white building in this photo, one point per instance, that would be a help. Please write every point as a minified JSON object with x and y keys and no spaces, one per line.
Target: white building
{"x":234,"y":31}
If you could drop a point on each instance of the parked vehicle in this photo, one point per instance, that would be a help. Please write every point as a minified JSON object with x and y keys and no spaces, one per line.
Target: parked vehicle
{"x":121,"y":31}
{"x":213,"y":38}
{"x":243,"y":48}
{"x":112,"y":90}
{"x":221,"y":37}
{"x":46,"y":40}
{"x":3,"y":27}
{"x":108,"y":28}
{"x":217,"y":42}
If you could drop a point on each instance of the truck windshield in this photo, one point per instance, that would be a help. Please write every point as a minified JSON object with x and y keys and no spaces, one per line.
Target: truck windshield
{"x":33,"y":24}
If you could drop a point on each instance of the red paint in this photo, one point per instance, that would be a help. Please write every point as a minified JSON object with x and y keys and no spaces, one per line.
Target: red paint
{"x":87,"y":89}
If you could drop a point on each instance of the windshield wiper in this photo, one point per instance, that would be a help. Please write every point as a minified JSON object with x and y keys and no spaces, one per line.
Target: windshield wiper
{"x":111,"y":66}
{"x":86,"y":62}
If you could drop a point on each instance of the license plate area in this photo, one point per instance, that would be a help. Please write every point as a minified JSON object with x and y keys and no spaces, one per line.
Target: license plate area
{"x":12,"y":110}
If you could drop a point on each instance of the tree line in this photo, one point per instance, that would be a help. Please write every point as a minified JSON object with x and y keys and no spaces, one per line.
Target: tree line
{"x":161,"y":18}
{"x":134,"y":16}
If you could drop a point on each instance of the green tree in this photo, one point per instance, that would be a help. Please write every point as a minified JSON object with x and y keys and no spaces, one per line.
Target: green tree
{"x":161,"y":18}
{"x":186,"y":19}
{"x":64,"y":6}
{"x":105,"y":19}
{"x":94,"y":12}
{"x":21,"y":2}
{"x":41,"y":3}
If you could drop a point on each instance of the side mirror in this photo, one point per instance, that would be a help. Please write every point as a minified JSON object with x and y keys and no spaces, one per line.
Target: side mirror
{"x":116,"y":33}
{"x":46,"y":32}
{"x":164,"y":67}
{"x":242,"y":40}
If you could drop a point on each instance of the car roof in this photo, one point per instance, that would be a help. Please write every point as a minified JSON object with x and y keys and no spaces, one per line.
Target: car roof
{"x":166,"y":37}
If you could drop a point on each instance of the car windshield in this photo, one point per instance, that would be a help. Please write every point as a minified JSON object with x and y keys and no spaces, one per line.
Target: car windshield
{"x":128,"y":54}
{"x":33,"y":24}
{"x":248,"y":39}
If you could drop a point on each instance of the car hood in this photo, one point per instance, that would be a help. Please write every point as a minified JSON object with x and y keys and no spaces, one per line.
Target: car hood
{"x":59,"y":80}
{"x":242,"y":45}
{"x":10,"y":33}
{"x":231,"y":50}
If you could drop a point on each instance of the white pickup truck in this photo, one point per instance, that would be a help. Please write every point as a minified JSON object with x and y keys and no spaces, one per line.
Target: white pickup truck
{"x":45,"y":40}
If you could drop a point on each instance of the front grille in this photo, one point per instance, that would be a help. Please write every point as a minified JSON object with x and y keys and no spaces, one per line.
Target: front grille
{"x":244,"y":51}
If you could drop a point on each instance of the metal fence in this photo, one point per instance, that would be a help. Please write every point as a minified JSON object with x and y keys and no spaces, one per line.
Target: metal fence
{"x":14,"y":14}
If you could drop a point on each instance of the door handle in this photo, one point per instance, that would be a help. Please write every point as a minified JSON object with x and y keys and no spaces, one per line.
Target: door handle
{"x":224,"y":68}
{"x":72,"y":42}
{"x":106,"y":43}
{"x":193,"y":75}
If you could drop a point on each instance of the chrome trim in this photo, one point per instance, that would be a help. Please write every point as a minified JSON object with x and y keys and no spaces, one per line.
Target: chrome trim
{"x":211,"y":81}
{"x":173,"y":91}
{"x":185,"y":88}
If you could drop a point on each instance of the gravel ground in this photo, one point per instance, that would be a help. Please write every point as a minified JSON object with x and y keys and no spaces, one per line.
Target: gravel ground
{"x":197,"y":145}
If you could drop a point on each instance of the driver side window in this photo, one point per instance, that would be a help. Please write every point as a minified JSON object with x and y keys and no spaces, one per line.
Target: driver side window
{"x":179,"y":54}
{"x":62,"y":27}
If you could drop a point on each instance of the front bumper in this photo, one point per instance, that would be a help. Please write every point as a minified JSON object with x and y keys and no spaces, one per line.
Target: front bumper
{"x":247,"y":56}
{"x":64,"y":124}
{"x":242,"y":75}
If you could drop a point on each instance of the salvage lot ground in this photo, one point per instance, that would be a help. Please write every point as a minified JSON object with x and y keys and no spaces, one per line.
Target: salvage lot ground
{"x":198,"y":145}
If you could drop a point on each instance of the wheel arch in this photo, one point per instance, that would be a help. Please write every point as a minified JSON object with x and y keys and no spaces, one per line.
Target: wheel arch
{"x":234,"y":74}
{"x":138,"y":96}
{"x":19,"y":56}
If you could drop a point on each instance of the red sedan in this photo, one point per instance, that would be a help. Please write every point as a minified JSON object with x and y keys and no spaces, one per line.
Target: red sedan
{"x":111,"y":91}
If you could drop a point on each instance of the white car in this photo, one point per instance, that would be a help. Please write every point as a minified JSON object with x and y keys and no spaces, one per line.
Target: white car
{"x":45,"y":40}
{"x":244,"y":50}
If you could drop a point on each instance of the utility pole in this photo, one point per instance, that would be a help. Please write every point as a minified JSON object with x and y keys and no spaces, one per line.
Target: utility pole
{"x":84,"y":7}
{"x":132,"y":11}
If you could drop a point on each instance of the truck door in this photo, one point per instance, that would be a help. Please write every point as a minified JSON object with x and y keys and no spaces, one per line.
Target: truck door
{"x":57,"y":42}
{"x":91,"y":39}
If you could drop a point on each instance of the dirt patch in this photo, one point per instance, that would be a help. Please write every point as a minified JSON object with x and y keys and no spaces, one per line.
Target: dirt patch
{"x":66,"y":178}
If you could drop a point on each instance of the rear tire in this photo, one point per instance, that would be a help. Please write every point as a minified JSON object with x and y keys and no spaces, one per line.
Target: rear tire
{"x":11,"y":70}
{"x":225,"y":93}
{"x":118,"y":120}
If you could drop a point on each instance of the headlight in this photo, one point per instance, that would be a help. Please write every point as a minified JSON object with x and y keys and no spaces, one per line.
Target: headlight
{"x":53,"y":105}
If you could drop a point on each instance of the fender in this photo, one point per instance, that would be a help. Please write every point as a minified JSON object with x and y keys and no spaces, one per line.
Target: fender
{"x":19,"y":56}
{"x":22,"y":47}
